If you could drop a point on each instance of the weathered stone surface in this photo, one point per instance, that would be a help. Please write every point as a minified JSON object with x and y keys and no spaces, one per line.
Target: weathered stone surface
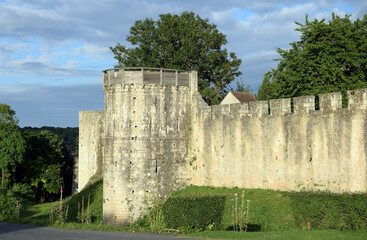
{"x":90,"y":147}
{"x":161,"y":138}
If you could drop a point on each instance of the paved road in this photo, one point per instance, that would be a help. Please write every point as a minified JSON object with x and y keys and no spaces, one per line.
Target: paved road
{"x":13,"y":231}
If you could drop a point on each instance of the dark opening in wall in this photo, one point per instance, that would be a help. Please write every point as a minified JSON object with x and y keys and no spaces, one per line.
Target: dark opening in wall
{"x":156,"y":166}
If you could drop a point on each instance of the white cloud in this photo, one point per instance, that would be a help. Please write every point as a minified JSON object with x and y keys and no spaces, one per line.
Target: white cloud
{"x":57,"y":42}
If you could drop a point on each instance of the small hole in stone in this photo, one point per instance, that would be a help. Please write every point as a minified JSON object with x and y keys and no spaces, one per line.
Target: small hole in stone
{"x":130,"y":162}
{"x":132,"y":138}
{"x":132,"y":191}
{"x":136,"y":126}
{"x":310,"y":159}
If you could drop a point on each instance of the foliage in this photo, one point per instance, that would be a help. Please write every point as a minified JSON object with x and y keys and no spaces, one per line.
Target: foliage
{"x":7,"y":207}
{"x":155,"y":215}
{"x":21,"y":191}
{"x":330,"y":211}
{"x":242,"y":87}
{"x":84,"y":216}
{"x":185,"y":42}
{"x":329,"y":57}
{"x":46,"y":162}
{"x":67,"y":142}
{"x":59,"y":214}
{"x":95,"y":205}
{"x":277,"y":210}
{"x":270,"y":210}
{"x":194,"y":212}
{"x":12,"y":144}
{"x":69,"y":135}
{"x":282,"y":235}
{"x":240,"y":212}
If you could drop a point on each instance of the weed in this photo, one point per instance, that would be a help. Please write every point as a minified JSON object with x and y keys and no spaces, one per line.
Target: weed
{"x":59,"y":214}
{"x":84,"y":216}
{"x":155,"y":216}
{"x":240,"y":213}
{"x":18,"y":206}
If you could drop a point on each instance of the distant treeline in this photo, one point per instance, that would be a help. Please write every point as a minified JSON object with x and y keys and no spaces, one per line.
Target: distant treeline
{"x":69,"y":135}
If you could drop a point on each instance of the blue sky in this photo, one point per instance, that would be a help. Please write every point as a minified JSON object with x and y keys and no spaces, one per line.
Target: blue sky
{"x":52,"y":52}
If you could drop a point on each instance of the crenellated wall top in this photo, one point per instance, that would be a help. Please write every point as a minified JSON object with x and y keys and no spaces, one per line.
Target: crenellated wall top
{"x":328,"y":103}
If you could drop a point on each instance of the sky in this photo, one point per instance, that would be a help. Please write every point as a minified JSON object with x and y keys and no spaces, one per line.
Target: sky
{"x":53,"y":52}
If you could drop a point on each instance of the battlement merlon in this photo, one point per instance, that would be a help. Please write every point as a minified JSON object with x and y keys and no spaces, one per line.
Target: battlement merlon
{"x":145,"y":75}
{"x":357,"y":99}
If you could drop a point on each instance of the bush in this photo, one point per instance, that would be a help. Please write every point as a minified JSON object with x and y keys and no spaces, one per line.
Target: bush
{"x":7,"y":207}
{"x":194,"y":212}
{"x":21,"y":191}
{"x":330,"y":211}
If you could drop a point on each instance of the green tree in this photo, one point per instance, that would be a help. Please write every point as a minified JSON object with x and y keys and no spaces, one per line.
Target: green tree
{"x":329,"y":57}
{"x":12,"y":144}
{"x":183,"y":41}
{"x":43,"y":165}
{"x":242,"y":87}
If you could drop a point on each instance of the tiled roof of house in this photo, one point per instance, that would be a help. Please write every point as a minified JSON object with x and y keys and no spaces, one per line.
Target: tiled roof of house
{"x":244,"y":97}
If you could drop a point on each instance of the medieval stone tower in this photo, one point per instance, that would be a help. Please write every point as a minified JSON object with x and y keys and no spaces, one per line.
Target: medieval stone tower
{"x":142,"y":137}
{"x":157,"y":135}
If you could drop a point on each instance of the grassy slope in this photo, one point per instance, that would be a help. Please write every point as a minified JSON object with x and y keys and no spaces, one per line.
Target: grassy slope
{"x":38,"y":214}
{"x":273,"y":210}
{"x":268,"y":209}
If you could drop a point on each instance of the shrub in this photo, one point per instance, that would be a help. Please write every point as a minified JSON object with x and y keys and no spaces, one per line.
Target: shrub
{"x":2,"y":191}
{"x":7,"y":207}
{"x":20,"y":190}
{"x":194,"y":212}
{"x":330,"y":211}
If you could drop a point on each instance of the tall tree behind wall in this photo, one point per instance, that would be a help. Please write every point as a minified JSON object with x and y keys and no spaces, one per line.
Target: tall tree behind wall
{"x":184,"y":42}
{"x":329,"y":57}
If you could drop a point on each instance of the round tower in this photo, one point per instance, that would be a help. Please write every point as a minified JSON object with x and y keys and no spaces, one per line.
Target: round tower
{"x":145,"y":138}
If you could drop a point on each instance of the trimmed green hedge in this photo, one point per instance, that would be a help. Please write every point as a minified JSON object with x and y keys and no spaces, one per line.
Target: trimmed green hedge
{"x":330,"y":211}
{"x":194,"y":212}
{"x":280,"y":211}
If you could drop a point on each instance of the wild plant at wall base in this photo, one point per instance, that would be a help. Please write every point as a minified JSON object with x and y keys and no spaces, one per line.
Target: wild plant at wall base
{"x":84,"y":216}
{"x":240,"y":212}
{"x":59,"y":214}
{"x":155,"y":215}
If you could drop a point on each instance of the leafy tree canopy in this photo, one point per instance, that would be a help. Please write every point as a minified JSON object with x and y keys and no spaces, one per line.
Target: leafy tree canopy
{"x":7,"y":114}
{"x":12,"y":144}
{"x":329,"y":57}
{"x":46,"y":164}
{"x":185,"y":42}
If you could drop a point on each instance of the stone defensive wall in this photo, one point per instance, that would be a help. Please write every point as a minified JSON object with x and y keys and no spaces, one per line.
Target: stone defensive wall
{"x":157,"y":135}
{"x":253,"y":146}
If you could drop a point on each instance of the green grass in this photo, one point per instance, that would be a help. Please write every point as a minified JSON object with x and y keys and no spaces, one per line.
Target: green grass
{"x":291,"y":235}
{"x":38,"y":214}
{"x":269,"y":210}
{"x":278,"y":214}
{"x":280,"y":211}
